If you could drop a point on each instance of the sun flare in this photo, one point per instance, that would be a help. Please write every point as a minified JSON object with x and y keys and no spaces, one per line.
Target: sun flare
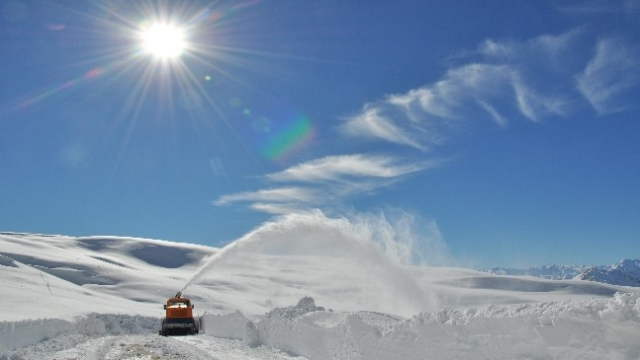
{"x":163,"y":41}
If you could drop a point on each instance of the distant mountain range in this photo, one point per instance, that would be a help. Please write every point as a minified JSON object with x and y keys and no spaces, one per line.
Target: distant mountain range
{"x":624,"y":273}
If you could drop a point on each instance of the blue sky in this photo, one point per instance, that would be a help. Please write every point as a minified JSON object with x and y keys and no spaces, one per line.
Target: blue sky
{"x":508,"y":128}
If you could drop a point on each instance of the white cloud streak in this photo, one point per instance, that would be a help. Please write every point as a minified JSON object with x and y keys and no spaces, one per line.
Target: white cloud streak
{"x":278,"y":208}
{"x":613,"y":71}
{"x":505,"y":81}
{"x":281,"y":195}
{"x":372,"y":124}
{"x":629,"y":8}
{"x":344,"y":167}
{"x":497,"y":87}
{"x":326,"y":181}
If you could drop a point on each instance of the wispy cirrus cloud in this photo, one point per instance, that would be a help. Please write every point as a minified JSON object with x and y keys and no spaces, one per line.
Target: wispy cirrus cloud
{"x":597,"y":7}
{"x":504,"y":81}
{"x":614,"y":70}
{"x":373,"y":123}
{"x":279,"y":208}
{"x":479,"y":85}
{"x":424,"y":117}
{"x":328,"y":180}
{"x":343,"y":168}
{"x":499,"y":82}
{"x":277,"y":195}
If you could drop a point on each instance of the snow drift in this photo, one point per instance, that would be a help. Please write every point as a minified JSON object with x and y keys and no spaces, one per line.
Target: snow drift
{"x":594,"y":329}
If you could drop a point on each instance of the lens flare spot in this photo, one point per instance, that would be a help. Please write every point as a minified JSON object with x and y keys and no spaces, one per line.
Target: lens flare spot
{"x":285,"y":142}
{"x":93,"y":73}
{"x":56,"y":27}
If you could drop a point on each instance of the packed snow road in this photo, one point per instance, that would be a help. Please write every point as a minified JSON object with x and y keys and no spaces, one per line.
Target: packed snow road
{"x":145,"y":347}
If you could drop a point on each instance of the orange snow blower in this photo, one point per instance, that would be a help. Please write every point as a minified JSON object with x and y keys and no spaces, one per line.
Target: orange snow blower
{"x":179,"y":317}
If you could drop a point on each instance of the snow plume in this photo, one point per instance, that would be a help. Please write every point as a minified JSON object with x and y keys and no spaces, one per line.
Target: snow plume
{"x":405,"y":238}
{"x":372,"y":251}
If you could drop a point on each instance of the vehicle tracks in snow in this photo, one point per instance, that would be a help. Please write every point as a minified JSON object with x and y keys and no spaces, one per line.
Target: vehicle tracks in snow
{"x":147,"y":347}
{"x":119,"y":347}
{"x":226,"y":349}
{"x":132,"y":347}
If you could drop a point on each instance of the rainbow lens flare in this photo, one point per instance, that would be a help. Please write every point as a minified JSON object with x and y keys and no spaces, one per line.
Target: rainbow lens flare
{"x":293,"y":137}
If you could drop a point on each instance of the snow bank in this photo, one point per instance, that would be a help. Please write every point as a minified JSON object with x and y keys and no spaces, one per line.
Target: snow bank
{"x":226,"y":326}
{"x":15,"y":335}
{"x":102,"y":324}
{"x":594,"y":329}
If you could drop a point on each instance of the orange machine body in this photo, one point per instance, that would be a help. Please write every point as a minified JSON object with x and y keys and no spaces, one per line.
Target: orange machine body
{"x":179,"y":317}
{"x":179,"y":308}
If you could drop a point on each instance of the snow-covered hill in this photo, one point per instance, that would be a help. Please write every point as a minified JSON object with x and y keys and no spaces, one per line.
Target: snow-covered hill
{"x":67,"y":297}
{"x":59,"y":276}
{"x":624,"y":273}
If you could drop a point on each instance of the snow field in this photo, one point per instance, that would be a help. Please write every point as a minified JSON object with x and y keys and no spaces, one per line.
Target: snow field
{"x":377,"y":305}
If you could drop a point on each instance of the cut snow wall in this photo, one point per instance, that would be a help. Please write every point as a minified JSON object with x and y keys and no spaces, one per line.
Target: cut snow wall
{"x":227,"y":326}
{"x":16,"y":335}
{"x":594,"y":329}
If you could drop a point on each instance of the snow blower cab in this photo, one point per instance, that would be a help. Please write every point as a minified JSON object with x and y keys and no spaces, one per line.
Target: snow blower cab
{"x":179,"y":317}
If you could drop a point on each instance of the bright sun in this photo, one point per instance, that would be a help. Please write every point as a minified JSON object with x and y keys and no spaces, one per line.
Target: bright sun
{"x":163,"y":41}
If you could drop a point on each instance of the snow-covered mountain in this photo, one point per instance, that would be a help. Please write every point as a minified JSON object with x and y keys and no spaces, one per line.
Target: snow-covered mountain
{"x":101,"y":297}
{"x":624,"y":273}
{"x":550,"y":272}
